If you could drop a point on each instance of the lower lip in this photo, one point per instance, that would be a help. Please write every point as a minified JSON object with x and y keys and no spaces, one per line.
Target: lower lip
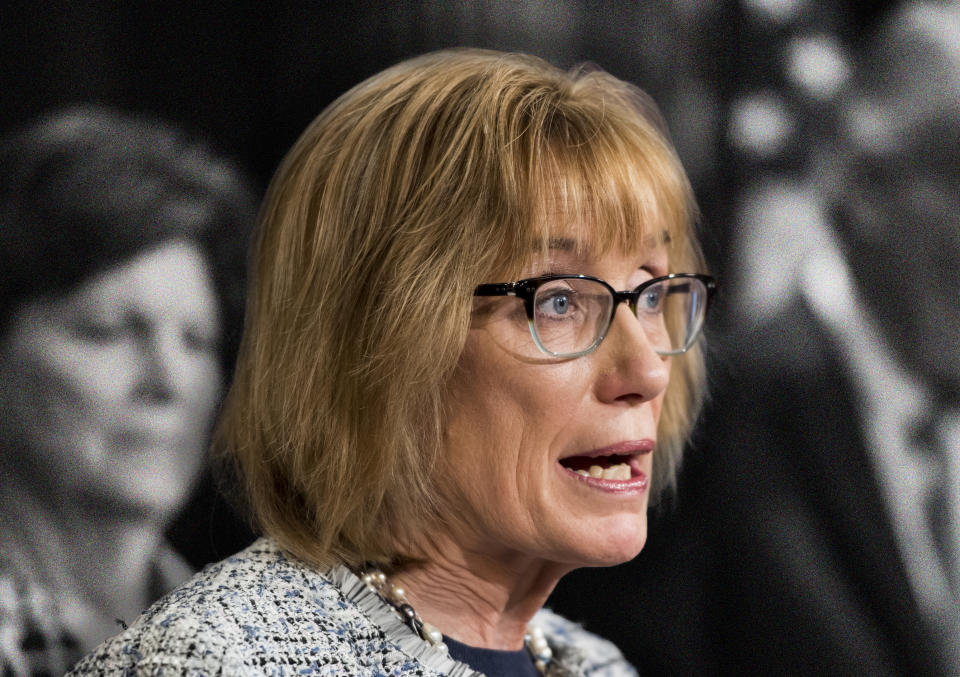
{"x":635,"y":485}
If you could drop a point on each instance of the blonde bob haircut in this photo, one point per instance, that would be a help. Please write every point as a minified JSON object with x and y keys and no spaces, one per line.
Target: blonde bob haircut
{"x":441,"y":173}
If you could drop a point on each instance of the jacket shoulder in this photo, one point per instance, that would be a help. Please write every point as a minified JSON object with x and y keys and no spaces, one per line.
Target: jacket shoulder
{"x":581,"y":652}
{"x":234,"y":618}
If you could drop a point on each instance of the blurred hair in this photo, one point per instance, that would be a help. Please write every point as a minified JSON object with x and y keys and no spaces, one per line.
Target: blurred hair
{"x":87,"y":188}
{"x":438,"y":174}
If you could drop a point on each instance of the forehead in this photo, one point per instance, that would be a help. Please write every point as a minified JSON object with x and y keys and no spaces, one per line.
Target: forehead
{"x":619,"y":194}
{"x":594,"y":230}
{"x":580,"y":246}
{"x":168,"y":281}
{"x":581,"y":243}
{"x":626,"y":201}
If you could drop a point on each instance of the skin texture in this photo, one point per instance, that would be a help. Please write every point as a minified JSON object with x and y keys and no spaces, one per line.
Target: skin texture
{"x":521,"y":521}
{"x":109,"y":391}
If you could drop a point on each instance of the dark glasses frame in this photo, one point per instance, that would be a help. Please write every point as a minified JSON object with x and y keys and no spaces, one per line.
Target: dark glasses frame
{"x":527,"y":290}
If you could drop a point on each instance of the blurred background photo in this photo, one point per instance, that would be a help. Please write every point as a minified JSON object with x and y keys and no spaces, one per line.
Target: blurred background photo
{"x":123,"y":247}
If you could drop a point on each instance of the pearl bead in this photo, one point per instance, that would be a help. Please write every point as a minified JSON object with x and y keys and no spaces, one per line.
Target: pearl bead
{"x":538,"y":644}
{"x":431,"y":634}
{"x":544,"y":655}
{"x":534,"y":639}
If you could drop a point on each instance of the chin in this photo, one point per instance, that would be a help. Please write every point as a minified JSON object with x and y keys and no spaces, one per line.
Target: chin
{"x":615,"y":544}
{"x":137,"y":498}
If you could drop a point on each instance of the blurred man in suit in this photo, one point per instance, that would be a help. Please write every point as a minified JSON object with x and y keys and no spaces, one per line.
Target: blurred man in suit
{"x":818,"y":519}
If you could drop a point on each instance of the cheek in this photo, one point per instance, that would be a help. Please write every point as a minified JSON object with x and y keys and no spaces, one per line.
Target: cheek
{"x":506,"y":419}
{"x":59,"y":384}
{"x":206,"y":381}
{"x":200,"y":397}
{"x":47,"y":409}
{"x":82,"y":374}
{"x":656,"y":406}
{"x":481,"y":430}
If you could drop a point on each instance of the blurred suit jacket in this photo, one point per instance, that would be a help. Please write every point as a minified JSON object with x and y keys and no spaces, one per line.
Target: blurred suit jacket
{"x":776,"y":556}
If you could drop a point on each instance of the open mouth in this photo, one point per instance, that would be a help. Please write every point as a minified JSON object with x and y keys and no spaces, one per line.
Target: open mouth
{"x":612,"y":467}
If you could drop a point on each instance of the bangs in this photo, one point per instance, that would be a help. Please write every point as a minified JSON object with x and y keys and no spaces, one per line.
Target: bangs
{"x":605,"y":182}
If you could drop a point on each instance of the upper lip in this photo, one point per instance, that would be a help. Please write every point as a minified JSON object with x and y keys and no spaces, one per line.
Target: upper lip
{"x":622,"y":448}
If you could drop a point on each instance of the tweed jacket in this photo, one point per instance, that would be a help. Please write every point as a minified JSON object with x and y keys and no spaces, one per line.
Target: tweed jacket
{"x":263,"y":613}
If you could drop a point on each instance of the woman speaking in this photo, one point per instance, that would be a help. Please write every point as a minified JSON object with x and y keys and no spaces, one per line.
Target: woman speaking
{"x":469,"y":361}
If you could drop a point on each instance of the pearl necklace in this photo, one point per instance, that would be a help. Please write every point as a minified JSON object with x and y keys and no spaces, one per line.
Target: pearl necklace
{"x":376,"y":581}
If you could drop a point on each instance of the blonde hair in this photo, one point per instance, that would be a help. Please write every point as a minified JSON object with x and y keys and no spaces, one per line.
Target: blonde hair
{"x":431,"y":177}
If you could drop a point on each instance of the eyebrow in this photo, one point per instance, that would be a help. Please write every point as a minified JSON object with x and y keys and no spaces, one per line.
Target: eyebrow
{"x":569,"y":244}
{"x":563,"y":244}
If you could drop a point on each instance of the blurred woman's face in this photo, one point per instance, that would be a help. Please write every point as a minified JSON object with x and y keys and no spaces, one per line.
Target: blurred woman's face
{"x":108,"y":392}
{"x":521,"y":426}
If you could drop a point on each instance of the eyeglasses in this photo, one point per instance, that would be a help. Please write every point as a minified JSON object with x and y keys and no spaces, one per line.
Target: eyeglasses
{"x":569,"y":315}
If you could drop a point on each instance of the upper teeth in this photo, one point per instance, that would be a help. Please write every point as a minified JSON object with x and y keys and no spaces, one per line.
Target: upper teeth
{"x":620,"y":471}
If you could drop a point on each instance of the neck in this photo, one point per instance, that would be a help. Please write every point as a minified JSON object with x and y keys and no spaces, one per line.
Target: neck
{"x":478,"y":598}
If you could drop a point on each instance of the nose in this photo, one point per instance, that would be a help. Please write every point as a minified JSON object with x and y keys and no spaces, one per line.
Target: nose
{"x":631,"y":372}
{"x":162,"y":368}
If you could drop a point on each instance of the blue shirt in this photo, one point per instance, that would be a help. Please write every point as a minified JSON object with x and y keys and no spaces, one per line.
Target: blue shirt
{"x":493,"y":662}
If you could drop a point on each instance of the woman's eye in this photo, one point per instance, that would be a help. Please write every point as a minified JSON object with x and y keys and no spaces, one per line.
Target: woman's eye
{"x":557,"y":305}
{"x":560,"y":304}
{"x":198,"y":342}
{"x":652,"y":299}
{"x":100,"y":333}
